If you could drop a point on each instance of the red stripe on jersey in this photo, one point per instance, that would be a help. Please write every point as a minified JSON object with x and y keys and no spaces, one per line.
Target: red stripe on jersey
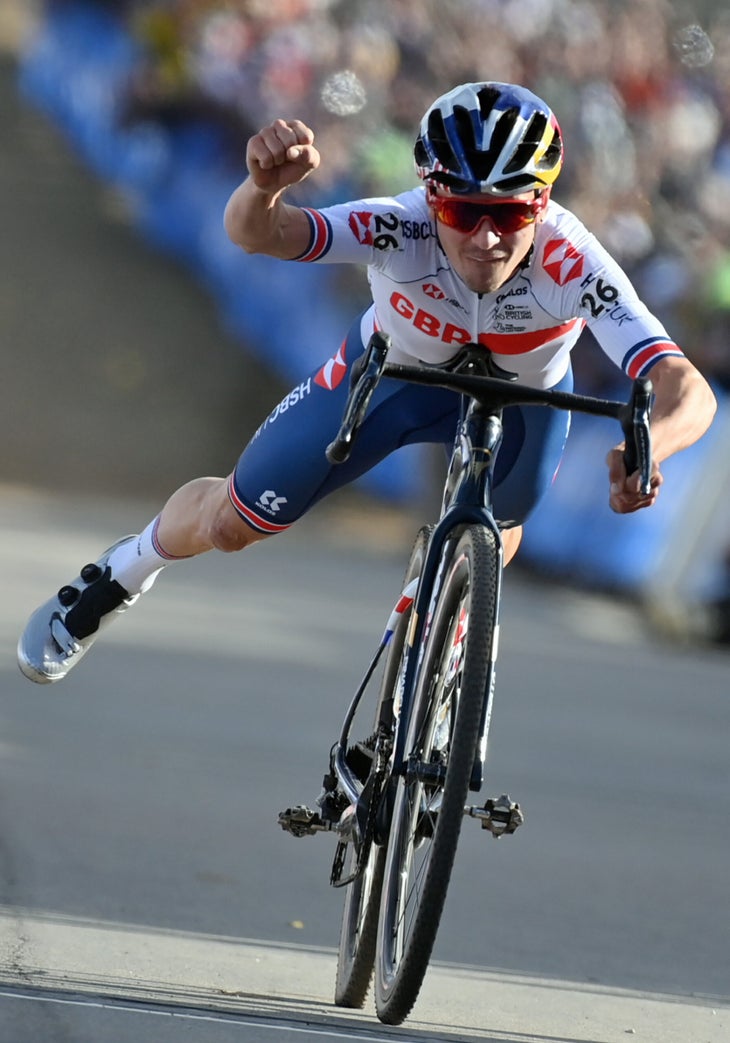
{"x":650,"y":354}
{"x":320,"y":239}
{"x":519,"y":343}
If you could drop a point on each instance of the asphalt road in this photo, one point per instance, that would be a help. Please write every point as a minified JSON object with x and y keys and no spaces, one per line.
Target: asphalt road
{"x":146,"y":891}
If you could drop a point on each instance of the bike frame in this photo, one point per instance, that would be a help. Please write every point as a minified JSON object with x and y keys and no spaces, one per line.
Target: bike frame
{"x":467,"y":501}
{"x":486,"y":390}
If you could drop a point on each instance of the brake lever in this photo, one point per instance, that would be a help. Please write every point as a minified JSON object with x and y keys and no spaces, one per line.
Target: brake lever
{"x":635,"y":422}
{"x":371,"y":369}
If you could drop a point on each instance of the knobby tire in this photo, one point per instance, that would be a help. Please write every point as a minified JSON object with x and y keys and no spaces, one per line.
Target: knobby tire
{"x":452,"y":684}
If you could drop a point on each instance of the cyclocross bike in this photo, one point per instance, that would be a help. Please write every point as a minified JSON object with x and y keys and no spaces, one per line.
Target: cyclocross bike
{"x":396,"y":798}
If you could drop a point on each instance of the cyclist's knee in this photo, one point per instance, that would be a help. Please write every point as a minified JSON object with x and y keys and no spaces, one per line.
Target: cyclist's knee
{"x":228,"y":532}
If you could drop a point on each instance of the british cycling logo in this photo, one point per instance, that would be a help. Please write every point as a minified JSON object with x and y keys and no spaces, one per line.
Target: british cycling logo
{"x":511,"y":313}
{"x":562,"y":261}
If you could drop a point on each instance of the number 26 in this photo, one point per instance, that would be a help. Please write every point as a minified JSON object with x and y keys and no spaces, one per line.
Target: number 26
{"x":604,"y":292}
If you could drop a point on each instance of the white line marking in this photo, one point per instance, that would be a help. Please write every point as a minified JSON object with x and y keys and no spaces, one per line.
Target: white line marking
{"x":228,"y":1019}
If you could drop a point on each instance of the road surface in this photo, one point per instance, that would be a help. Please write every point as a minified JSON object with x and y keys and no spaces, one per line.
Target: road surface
{"x":146,"y":891}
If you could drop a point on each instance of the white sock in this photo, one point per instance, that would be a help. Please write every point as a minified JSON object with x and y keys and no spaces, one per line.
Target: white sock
{"x":137,"y":563}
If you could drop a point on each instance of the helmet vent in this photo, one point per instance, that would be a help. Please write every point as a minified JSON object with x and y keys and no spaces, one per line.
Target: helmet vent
{"x":525,"y":151}
{"x":515,"y":185}
{"x":487,"y":97}
{"x":439,"y":140}
{"x":553,"y":154}
{"x":483,"y":163}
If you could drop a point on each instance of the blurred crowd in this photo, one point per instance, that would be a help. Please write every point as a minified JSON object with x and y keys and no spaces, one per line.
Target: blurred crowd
{"x":641,"y":89}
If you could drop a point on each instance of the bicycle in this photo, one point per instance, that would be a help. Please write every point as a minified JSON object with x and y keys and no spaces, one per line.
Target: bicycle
{"x":396,"y":799}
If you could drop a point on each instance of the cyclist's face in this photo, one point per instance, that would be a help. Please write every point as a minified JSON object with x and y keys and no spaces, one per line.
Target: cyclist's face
{"x":486,"y":257}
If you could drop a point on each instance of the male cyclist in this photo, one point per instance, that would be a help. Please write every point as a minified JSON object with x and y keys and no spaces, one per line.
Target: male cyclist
{"x":480,"y":253}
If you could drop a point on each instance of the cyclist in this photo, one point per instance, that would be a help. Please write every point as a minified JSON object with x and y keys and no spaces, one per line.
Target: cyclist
{"x":480,"y":252}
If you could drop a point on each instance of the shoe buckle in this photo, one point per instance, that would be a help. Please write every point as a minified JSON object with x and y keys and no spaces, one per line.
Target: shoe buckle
{"x":65,"y":641}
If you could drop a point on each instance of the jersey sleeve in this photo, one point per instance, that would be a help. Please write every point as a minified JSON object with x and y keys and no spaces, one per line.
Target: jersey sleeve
{"x":595,"y":288}
{"x":622,"y":324}
{"x":361,"y":232}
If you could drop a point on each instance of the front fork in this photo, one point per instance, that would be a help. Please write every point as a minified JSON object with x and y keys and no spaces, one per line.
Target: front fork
{"x":467,"y":500}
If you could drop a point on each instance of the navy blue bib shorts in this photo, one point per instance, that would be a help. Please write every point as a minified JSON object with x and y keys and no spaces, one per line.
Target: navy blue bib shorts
{"x":283,"y":471}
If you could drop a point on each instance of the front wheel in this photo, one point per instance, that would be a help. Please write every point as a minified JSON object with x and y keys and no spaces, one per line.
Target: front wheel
{"x":453,"y":684}
{"x":358,"y":933}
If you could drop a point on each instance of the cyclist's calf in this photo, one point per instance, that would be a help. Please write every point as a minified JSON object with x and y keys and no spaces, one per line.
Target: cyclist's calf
{"x":200,"y":517}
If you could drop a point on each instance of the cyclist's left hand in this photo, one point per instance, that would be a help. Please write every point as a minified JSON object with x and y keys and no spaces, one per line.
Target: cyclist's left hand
{"x":624,"y":496}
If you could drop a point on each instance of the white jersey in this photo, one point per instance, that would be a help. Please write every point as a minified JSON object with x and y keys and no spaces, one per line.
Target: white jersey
{"x":530,"y":324}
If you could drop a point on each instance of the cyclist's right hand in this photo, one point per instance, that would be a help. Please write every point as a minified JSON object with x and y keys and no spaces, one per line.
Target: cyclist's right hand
{"x":281,"y":154}
{"x":625,"y":494}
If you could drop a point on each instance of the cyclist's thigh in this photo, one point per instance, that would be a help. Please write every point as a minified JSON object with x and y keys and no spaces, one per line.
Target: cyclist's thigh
{"x":532,"y":448}
{"x":284,"y":471}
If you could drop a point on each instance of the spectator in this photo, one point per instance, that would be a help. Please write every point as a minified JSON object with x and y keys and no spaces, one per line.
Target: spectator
{"x":656,"y":80}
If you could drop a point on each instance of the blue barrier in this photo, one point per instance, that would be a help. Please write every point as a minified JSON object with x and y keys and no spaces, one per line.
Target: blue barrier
{"x":77,"y":68}
{"x":575,"y":535}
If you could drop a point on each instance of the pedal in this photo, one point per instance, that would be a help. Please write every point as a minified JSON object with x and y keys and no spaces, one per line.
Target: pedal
{"x":500,"y":816}
{"x":301,"y":821}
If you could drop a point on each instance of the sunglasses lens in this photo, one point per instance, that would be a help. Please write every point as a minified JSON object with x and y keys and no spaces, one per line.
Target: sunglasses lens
{"x":511,"y":217}
{"x":464,"y":217}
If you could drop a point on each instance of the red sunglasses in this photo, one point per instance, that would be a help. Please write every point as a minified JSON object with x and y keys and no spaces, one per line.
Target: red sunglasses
{"x":507,"y":215}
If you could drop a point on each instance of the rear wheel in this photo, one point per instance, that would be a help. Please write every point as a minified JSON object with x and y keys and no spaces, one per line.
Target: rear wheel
{"x":453,"y":682}
{"x":358,"y":933}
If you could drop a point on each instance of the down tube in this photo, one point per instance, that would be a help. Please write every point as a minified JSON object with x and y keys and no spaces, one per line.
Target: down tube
{"x":477,"y":775}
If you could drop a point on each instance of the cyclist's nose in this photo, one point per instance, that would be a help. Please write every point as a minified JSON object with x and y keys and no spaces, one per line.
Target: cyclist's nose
{"x":485,"y":233}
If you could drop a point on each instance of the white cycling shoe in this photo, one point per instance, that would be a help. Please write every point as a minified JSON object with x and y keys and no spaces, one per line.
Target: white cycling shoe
{"x":61,"y":631}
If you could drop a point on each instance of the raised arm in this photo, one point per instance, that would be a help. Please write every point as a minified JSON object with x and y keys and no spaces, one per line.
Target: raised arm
{"x":256,"y":217}
{"x":684,"y":406}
